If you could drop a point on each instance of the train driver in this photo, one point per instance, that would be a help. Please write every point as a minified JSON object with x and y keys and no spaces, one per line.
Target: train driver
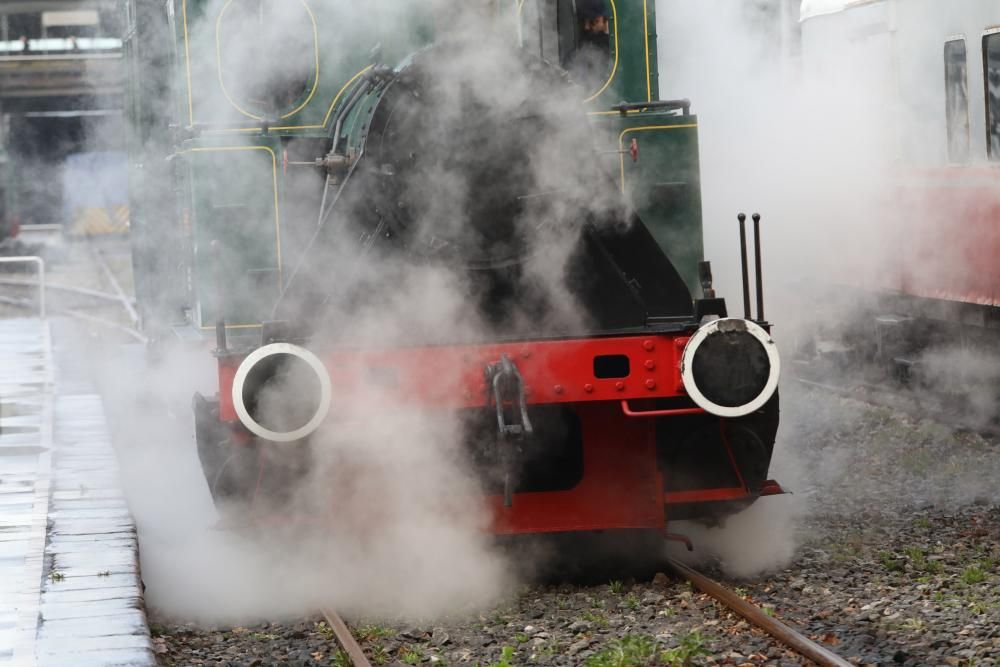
{"x":591,"y":62}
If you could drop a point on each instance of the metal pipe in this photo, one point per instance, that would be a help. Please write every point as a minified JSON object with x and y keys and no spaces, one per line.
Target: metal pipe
{"x":322,"y":204}
{"x":359,"y":90}
{"x":82,"y":291}
{"x":26,"y":304}
{"x":786,"y":635}
{"x":40,"y":265}
{"x":757,"y":267}
{"x":743,"y":262}
{"x":221,"y":344}
{"x":116,"y":286}
{"x":684,"y":106}
{"x":673,"y":412}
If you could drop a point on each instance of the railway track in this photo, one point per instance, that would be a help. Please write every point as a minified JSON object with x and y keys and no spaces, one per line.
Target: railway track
{"x":781,"y":632}
{"x":791,"y":638}
{"x":346,"y":639}
{"x":73,"y":294}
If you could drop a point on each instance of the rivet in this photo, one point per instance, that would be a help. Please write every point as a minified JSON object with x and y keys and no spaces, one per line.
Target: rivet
{"x":650,"y":364}
{"x":525,"y":353}
{"x":527,"y":390}
{"x":680,"y":342}
{"x":620,"y":386}
{"x":648,"y":345}
{"x":558,"y":389}
{"x":589,"y":388}
{"x":650,"y":384}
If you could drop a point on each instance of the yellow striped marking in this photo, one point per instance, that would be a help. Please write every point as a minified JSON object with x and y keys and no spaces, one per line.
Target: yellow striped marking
{"x":190,"y":86}
{"x":621,"y":141}
{"x":274,"y":183}
{"x":218,"y":60}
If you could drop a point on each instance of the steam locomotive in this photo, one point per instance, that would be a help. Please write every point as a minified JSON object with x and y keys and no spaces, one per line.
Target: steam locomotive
{"x":314,"y":193}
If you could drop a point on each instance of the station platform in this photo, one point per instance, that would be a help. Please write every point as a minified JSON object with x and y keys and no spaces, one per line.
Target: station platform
{"x":70,"y":586}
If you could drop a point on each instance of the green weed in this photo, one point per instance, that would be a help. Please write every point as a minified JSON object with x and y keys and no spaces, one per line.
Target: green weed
{"x":691,"y":646}
{"x":629,"y":651}
{"x":506,"y":657}
{"x":973,"y":575}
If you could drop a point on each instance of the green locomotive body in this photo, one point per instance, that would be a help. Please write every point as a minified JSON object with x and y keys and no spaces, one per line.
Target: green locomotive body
{"x":240,"y":147}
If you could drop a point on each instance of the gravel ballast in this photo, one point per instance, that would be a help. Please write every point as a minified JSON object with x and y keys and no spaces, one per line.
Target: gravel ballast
{"x":893,"y":533}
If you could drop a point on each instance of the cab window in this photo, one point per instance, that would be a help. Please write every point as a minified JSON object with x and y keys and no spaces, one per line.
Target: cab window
{"x":991,"y":73}
{"x":956,"y":85}
{"x":549,"y":28}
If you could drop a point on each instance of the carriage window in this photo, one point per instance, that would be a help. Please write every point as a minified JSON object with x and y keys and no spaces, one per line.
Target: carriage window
{"x":991,"y":71}
{"x":957,"y":99}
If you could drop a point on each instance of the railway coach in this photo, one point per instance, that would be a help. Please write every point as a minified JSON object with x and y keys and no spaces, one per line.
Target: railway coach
{"x":933,"y":73}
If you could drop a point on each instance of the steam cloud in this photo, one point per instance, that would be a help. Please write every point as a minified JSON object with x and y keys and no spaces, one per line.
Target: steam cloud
{"x":814,"y":134}
{"x":388,"y":526}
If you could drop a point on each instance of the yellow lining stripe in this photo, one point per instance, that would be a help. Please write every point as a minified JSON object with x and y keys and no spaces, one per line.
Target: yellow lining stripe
{"x":645,"y":29}
{"x":218,"y":59}
{"x":621,"y":141}
{"x":274,"y":182}
{"x":187,"y":60}
{"x":326,"y":119}
{"x":336,"y":98}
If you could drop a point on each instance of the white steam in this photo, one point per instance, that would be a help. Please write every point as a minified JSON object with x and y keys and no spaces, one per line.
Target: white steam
{"x":817,"y":125}
{"x":388,"y":517}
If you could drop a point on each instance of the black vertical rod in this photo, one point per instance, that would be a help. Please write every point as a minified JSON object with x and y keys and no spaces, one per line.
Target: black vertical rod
{"x":757,"y":267}
{"x":743,"y":261}
{"x":221,"y":344}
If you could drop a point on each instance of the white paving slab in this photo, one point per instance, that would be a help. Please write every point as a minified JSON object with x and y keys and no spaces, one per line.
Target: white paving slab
{"x":70,"y":592}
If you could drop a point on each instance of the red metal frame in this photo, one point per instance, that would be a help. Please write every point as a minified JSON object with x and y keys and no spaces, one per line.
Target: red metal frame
{"x":452,"y":376}
{"x":622,"y":486}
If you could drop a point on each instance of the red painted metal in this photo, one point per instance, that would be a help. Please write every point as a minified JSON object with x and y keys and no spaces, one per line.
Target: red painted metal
{"x":452,"y":376}
{"x":621,"y":488}
{"x":675,"y":412}
{"x":949,"y":234}
{"x":732,"y":457}
{"x":227,"y":373}
{"x":771,"y":488}
{"x":705,"y":495}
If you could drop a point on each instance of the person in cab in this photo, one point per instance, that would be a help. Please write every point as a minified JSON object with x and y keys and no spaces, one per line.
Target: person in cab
{"x":590,"y":64}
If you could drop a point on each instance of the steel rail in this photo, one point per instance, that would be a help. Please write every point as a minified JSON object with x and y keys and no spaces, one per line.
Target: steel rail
{"x":784,"y":634}
{"x":115,"y":285}
{"x":345,"y":638}
{"x":82,"y":291}
{"x":28,"y":305}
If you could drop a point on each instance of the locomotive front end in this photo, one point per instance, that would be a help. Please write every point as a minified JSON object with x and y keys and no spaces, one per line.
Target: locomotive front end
{"x":590,"y":389}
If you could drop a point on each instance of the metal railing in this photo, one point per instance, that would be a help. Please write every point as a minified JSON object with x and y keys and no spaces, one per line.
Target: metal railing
{"x":40,"y":265}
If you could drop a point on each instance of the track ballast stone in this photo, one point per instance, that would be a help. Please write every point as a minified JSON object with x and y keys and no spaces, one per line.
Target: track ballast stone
{"x":896,"y":562}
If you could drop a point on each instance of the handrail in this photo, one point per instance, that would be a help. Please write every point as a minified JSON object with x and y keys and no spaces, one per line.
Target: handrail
{"x":684,"y":106}
{"x":40,"y":264}
{"x":671,"y":412}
